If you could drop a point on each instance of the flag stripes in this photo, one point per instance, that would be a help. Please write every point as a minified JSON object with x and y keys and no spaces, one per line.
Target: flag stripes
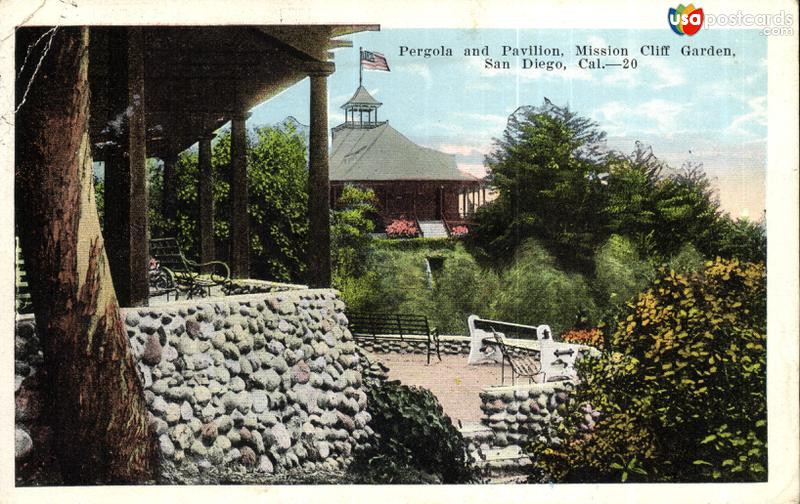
{"x":374,"y":61}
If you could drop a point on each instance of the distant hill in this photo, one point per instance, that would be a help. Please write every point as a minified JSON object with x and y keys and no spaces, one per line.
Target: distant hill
{"x":292,"y":122}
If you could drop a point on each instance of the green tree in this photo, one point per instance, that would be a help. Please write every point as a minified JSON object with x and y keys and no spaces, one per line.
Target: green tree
{"x":534,"y":290}
{"x":278,"y":204}
{"x":743,"y":239}
{"x":631,"y":188}
{"x":352,"y":220}
{"x":687,"y":210}
{"x":546,"y":168}
{"x":278,"y":195}
{"x":461,"y":289}
{"x":619,"y":272}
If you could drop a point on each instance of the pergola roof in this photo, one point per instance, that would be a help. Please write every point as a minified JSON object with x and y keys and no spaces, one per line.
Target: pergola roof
{"x":383,"y":153}
{"x":196,"y":78}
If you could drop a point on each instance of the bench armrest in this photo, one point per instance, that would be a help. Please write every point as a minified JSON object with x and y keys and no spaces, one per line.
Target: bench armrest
{"x":215,"y":277}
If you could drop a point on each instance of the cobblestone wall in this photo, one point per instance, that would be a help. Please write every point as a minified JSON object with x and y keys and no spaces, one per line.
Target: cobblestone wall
{"x":268,"y":382}
{"x":519,"y":414}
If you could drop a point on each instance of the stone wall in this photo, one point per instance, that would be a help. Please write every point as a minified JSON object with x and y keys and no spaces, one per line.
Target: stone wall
{"x":267,"y":382}
{"x":520,"y":414}
{"x":237,"y":287}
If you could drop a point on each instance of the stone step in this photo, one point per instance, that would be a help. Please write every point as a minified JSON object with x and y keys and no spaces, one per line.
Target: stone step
{"x":432,"y":229}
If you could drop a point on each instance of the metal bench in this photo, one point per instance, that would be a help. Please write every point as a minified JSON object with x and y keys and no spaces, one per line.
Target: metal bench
{"x":394,"y":327}
{"x":172,"y":272}
{"x":524,"y":366}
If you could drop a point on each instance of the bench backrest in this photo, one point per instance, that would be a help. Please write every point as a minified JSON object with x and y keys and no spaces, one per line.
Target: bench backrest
{"x":364,"y":323}
{"x":168,"y":253}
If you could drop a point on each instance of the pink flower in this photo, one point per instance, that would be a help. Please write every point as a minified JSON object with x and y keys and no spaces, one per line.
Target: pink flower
{"x":459,"y":231}
{"x":401,"y":228}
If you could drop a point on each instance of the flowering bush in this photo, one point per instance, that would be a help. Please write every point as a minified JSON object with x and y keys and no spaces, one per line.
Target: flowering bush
{"x":402,"y":228}
{"x":459,"y":231}
{"x":681,"y":390}
{"x":591,"y":337}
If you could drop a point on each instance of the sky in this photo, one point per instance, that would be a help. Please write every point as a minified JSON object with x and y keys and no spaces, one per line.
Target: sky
{"x":705,"y":110}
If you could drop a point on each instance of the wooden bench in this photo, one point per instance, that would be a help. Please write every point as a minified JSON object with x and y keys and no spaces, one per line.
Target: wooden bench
{"x":525,"y":366}
{"x":173,"y":272}
{"x":394,"y":327}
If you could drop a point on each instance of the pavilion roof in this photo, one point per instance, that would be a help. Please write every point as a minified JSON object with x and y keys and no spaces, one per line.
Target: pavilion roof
{"x":383,"y":153}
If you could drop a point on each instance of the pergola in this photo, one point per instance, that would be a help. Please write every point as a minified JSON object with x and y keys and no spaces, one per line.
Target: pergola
{"x":158,"y":90}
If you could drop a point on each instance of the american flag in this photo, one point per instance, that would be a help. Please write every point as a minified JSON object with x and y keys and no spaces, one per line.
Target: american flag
{"x":373,"y":61}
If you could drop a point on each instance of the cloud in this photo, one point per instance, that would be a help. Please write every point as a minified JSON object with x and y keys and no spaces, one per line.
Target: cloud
{"x":476,"y":170}
{"x":418,"y":69}
{"x":757,"y":115}
{"x":655,"y":116}
{"x":464,"y":149}
{"x":666,"y":75}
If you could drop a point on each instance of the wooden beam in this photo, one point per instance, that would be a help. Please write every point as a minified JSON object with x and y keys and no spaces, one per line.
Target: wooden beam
{"x":126,"y":223}
{"x":319,"y":254}
{"x":240,"y":222}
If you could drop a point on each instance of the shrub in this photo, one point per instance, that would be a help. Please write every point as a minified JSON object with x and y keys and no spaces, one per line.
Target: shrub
{"x":535,"y":291}
{"x":461,"y":289}
{"x":402,"y":228}
{"x":591,"y":337}
{"x":687,"y":260}
{"x":619,"y":272}
{"x":688,"y":395}
{"x":413,"y":436}
{"x":401,"y":282}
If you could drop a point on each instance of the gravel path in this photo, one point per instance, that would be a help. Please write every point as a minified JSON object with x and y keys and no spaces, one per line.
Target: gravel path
{"x":454,"y":383}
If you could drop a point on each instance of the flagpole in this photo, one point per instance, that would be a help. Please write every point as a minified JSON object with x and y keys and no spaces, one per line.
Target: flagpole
{"x":360,"y":67}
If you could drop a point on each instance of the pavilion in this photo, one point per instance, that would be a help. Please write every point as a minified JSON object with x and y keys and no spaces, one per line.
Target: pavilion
{"x":410,"y":181}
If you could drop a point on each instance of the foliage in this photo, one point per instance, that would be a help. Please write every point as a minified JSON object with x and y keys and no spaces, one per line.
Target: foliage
{"x":687,"y":260}
{"x":687,"y":397}
{"x":100,"y":198}
{"x":461,"y":289}
{"x":533,"y":291}
{"x":278,"y":204}
{"x":351,"y":223}
{"x":743,"y":239}
{"x":546,"y":170}
{"x":591,"y":337}
{"x":401,"y":282}
{"x":687,"y":210}
{"x":402,"y":228}
{"x":278,"y":196}
{"x":413,"y":435}
{"x":427,"y":244}
{"x":619,"y":273}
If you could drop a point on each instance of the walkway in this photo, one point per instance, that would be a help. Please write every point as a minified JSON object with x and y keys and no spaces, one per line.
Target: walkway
{"x":452,"y":381}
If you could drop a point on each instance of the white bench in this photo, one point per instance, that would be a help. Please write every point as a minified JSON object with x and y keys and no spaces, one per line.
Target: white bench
{"x":557,"y":358}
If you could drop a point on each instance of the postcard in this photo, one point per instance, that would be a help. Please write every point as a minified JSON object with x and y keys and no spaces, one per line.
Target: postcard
{"x":410,"y":252}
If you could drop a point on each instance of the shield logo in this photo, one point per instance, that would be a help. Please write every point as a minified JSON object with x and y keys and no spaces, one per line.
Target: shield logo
{"x":674,"y":19}
{"x":695,"y":20}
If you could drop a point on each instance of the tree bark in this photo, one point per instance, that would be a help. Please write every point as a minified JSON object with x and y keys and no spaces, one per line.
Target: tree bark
{"x":97,"y":407}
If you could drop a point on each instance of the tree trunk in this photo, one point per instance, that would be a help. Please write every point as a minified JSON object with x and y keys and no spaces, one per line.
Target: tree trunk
{"x":97,"y":408}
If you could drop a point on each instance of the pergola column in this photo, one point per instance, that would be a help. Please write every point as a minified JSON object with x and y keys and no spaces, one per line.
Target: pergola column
{"x":319,"y":250}
{"x":126,"y":232}
{"x":168,"y":189}
{"x":240,"y":222}
{"x":206,"y":199}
